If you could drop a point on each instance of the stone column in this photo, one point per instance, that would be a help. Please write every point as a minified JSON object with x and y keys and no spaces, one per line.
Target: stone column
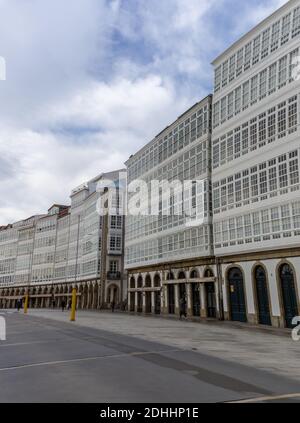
{"x":189,"y":300}
{"x":153,"y":302}
{"x":88,"y":297}
{"x":136,"y":302}
{"x":177,"y":305}
{"x":203,"y":301}
{"x":164,"y":299}
{"x":129,"y":301}
{"x":217,"y":300}
{"x":144,"y":301}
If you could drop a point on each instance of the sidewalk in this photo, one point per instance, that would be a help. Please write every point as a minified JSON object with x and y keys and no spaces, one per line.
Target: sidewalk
{"x":235,"y":342}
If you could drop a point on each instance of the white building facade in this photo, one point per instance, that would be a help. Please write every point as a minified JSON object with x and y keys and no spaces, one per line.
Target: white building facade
{"x":169,"y":256}
{"x":70,"y":246}
{"x":255,"y":171}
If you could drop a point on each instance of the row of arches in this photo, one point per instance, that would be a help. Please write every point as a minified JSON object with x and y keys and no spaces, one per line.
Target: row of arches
{"x":147,"y":281}
{"x":167,"y":292}
{"x":287,"y":292}
{"x":53,"y":296}
{"x":152,"y":301}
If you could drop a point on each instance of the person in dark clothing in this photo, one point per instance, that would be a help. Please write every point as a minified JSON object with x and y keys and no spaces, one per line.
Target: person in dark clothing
{"x":182,"y":307}
{"x":69,"y":304}
{"x":63,"y":305}
{"x":19,"y":304}
{"x":112,"y":306}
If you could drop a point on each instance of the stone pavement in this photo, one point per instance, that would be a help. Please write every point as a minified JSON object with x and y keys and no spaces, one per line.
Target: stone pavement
{"x":276,"y":353}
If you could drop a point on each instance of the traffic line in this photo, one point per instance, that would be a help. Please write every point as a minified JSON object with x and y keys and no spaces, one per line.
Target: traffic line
{"x":264,"y":399}
{"x":79,"y":360}
{"x":17,"y":344}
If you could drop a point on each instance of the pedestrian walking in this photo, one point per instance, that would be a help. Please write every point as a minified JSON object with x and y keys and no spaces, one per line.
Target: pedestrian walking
{"x":63,"y":305}
{"x":182,"y":307}
{"x":19,"y":304}
{"x":69,"y":304}
{"x":112,"y":306}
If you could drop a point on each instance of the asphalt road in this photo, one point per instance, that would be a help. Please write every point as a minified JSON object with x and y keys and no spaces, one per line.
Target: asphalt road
{"x":44,"y":360}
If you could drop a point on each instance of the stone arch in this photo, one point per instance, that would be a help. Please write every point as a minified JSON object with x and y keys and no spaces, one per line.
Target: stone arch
{"x":170,"y":276}
{"x":132,"y":282}
{"x":288,"y":293}
{"x":208,"y":272}
{"x":56,"y":298}
{"x":139,"y":294}
{"x":261,"y":287}
{"x":95,"y":295}
{"x":236,"y":293}
{"x":80,"y":297}
{"x":85,"y":295}
{"x":148,"y":281}
{"x":157,"y":293}
{"x":181,"y":275}
{"x":157,"y":281}
{"x":38,"y":301}
{"x":140,"y":281}
{"x":112,"y":294}
{"x":194,"y":274}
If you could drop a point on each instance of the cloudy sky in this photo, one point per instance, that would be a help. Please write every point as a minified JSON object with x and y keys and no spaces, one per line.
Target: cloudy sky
{"x":91,"y":81}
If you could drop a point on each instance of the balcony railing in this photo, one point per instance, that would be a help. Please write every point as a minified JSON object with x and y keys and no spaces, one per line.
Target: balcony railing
{"x":113,"y":276}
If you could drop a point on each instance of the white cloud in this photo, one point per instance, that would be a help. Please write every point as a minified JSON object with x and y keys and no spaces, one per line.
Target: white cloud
{"x":118,"y":118}
{"x":91,"y":81}
{"x":251,"y":16}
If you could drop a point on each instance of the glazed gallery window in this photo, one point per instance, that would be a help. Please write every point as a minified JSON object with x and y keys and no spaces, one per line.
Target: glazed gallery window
{"x":113,"y":266}
{"x":262,"y":180}
{"x":275,"y":123}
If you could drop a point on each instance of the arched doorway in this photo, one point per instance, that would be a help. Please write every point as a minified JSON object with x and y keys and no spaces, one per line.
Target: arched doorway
{"x":148,"y":302}
{"x":112,"y":296}
{"x":157,"y":299}
{"x":236,"y":295}
{"x":263,"y":305}
{"x":289,"y":296}
{"x":182,"y":286}
{"x":196,"y":294}
{"x":171,"y":294}
{"x":182,"y":294}
{"x":140,"y":295}
{"x":132,"y":294}
{"x":210,"y":292}
{"x":32,"y":299}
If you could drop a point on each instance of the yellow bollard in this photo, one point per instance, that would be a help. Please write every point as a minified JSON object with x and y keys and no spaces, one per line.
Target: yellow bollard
{"x":26,"y":303}
{"x":73,"y":308}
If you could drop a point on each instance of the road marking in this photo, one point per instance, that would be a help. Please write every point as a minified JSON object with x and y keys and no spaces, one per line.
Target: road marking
{"x":17,"y":344}
{"x":270,"y":398}
{"x":78,"y":360}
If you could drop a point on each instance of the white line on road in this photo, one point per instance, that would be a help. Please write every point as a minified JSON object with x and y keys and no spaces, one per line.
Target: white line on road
{"x":78,"y":360}
{"x":17,"y":344}
{"x":264,"y":399}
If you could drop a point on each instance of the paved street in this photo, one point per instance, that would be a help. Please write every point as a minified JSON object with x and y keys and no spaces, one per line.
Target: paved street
{"x":106,"y":357}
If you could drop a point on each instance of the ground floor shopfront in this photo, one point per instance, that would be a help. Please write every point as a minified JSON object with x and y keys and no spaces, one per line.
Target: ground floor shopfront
{"x":167,"y":290}
{"x":260,"y":288}
{"x":89,"y":295}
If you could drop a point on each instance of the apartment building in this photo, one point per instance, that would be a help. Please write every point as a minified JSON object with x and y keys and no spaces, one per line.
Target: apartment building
{"x":255,"y":171}
{"x":70,"y":246}
{"x":169,"y":256}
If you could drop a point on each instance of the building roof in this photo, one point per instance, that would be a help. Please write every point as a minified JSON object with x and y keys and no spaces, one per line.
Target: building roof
{"x":174,"y":123}
{"x":60,"y":206}
{"x":261,"y":25}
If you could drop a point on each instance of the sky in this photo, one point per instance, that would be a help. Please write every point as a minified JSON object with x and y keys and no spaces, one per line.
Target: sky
{"x":89,"y":82}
